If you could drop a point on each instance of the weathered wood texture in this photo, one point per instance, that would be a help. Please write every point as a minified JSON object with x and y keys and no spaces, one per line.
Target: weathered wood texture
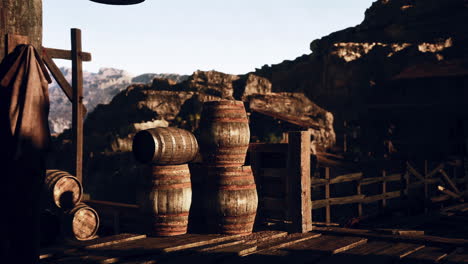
{"x":224,"y":133}
{"x":423,"y":239}
{"x":166,"y":200}
{"x":165,"y":146}
{"x":426,"y":255}
{"x":62,"y":189}
{"x":65,"y":54}
{"x":152,"y":248}
{"x":77,"y":103}
{"x":80,"y":223}
{"x":58,"y":76}
{"x":23,"y":18}
{"x":414,"y":186}
{"x":298,"y":182}
{"x":261,"y":247}
{"x":231,"y":199}
{"x":377,"y":185}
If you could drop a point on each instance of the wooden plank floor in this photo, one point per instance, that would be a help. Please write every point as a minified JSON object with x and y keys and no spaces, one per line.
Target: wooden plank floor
{"x":262,"y":247}
{"x":331,"y":245}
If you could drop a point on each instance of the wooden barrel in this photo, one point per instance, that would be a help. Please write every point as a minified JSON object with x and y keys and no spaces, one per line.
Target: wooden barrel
{"x":166,"y":201}
{"x":224,"y":133}
{"x":62,"y":189}
{"x":80,"y":223}
{"x":231,"y":200}
{"x":165,"y":146}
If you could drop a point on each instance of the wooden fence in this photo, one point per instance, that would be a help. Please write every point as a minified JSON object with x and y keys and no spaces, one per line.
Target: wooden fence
{"x":289,"y":190}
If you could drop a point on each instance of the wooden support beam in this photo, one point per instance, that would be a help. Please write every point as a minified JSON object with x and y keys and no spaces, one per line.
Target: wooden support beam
{"x":354,"y":199}
{"x":359,"y":193}
{"x":449,"y":181}
{"x":66,"y":54}
{"x":415,"y":172}
{"x":77,"y":84}
{"x":436,"y":170}
{"x":384,"y":189}
{"x":450,"y":193}
{"x":298,"y":182}
{"x":426,"y":187}
{"x":58,"y":76}
{"x":327,"y":196}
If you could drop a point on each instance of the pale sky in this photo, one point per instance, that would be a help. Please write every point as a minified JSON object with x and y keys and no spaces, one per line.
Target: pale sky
{"x":182,"y":36}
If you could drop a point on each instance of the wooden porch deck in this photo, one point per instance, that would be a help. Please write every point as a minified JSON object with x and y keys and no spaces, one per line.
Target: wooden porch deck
{"x":324,"y":245}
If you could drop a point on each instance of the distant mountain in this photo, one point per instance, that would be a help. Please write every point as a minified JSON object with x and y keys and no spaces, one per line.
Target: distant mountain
{"x":99,"y":88}
{"x":148,"y":77}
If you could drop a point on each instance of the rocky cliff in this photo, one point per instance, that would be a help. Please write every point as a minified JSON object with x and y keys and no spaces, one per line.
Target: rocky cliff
{"x":345,"y":65}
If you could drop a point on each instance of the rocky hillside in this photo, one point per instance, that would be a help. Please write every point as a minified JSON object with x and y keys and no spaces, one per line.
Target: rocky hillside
{"x":99,"y":88}
{"x":345,"y":65}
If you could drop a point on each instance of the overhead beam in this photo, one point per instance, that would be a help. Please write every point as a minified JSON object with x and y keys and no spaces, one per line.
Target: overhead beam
{"x":59,"y":78}
{"x":65,"y":54}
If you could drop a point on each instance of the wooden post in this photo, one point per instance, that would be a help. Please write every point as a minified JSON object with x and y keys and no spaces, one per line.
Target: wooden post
{"x":384,"y":189}
{"x":77,"y":104}
{"x":359,"y":192}
{"x":407,"y":187}
{"x":426,"y":187}
{"x":345,"y":137}
{"x":327,"y":196}
{"x":299,"y":199}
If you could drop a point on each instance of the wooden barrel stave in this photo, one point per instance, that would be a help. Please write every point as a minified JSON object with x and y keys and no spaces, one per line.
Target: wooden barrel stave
{"x":62,"y":190}
{"x":167,"y":199}
{"x":231,"y":199}
{"x":224,"y":133}
{"x":165,"y":146}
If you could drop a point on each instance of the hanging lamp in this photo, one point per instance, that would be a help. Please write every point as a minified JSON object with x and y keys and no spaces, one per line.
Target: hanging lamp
{"x":118,"y":2}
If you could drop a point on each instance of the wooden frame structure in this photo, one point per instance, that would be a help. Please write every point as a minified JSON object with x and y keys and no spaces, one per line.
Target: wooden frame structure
{"x":285,"y":191}
{"x":74,"y":92}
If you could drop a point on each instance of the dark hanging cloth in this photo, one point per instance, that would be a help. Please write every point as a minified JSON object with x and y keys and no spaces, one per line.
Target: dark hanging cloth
{"x":24,"y":141}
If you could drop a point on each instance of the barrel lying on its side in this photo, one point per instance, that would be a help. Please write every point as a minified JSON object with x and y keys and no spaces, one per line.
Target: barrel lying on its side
{"x":62,"y":189}
{"x":231,"y":199}
{"x":224,"y":133}
{"x":166,"y":200}
{"x":165,"y":146}
{"x":80,"y":223}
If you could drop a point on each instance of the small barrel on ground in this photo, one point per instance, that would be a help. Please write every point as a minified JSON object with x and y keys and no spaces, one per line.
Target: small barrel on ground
{"x":80,"y":223}
{"x":165,"y":146}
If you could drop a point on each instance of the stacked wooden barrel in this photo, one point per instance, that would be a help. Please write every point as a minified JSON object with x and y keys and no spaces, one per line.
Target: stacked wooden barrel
{"x":62,"y":202}
{"x":167,"y":191}
{"x":231,"y":202}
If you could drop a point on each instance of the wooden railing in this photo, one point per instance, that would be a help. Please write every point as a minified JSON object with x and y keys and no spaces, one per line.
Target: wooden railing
{"x":285,"y":190}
